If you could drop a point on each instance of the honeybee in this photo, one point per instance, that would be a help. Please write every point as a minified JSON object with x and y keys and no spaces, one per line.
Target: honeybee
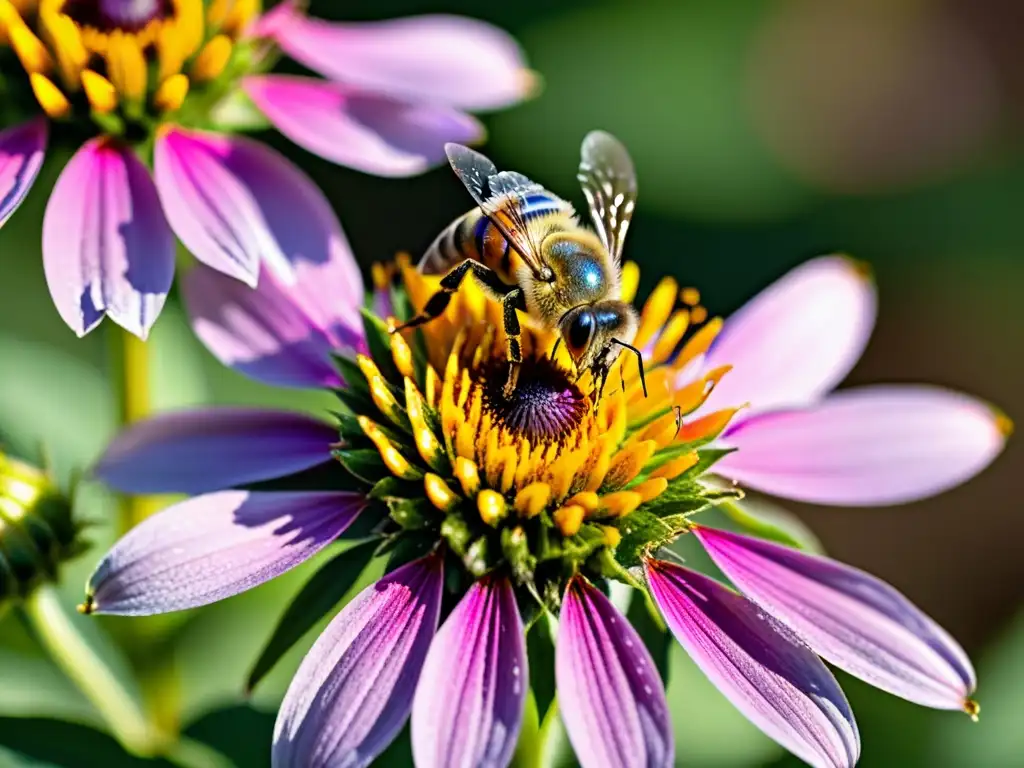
{"x":528,"y":249}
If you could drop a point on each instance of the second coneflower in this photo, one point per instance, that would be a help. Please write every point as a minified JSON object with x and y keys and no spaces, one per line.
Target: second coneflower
{"x":496,"y":513}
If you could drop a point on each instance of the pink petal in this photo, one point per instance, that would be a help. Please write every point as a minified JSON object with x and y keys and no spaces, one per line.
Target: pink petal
{"x":215,"y":546}
{"x":362,"y":130}
{"x":469,"y":701}
{"x":107,"y":249}
{"x":769,"y":675}
{"x":211,"y":449}
{"x":611,"y":698}
{"x":22,"y":149}
{"x":235,"y":203}
{"x":867,"y":446}
{"x":857,"y":622}
{"x":353,"y":692}
{"x":797,"y":339}
{"x":449,"y":60}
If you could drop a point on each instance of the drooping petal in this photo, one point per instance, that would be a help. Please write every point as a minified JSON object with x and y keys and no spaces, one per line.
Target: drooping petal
{"x":236,"y":203}
{"x":360,"y":129}
{"x":797,"y":339}
{"x":469,"y":701}
{"x":215,"y":546}
{"x":771,"y":677}
{"x":212,"y":449}
{"x":867,"y":446}
{"x":353,"y":691}
{"x":278,"y":333}
{"x":857,"y":622}
{"x":610,"y":695}
{"x":107,"y":249}
{"x":22,"y":148}
{"x":433,"y":59}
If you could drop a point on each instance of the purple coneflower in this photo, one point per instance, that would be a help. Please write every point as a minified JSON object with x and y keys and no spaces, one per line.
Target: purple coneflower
{"x":498,"y":514}
{"x":165,"y":83}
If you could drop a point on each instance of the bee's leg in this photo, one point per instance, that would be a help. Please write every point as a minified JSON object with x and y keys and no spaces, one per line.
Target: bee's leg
{"x":510,"y":302}
{"x":450,"y":283}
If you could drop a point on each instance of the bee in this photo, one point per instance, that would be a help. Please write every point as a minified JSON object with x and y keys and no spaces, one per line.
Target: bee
{"x":528,"y":249}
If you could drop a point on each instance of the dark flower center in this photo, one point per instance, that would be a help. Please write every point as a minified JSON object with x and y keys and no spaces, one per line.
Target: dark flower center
{"x":109,"y":15}
{"x":545,"y":406}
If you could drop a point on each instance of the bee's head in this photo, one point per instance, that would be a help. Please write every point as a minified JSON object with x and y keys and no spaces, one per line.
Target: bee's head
{"x":595,"y":334}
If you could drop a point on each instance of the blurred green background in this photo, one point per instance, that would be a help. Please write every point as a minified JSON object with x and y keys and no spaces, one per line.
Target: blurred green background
{"x":764,"y":133}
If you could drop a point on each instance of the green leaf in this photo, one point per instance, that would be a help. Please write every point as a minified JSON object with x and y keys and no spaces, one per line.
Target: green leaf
{"x":413,"y":514}
{"x":768,"y":521}
{"x":364,"y":463}
{"x":378,"y":339}
{"x":652,"y":631}
{"x":528,"y":748}
{"x":642,"y":531}
{"x":540,"y":649}
{"x":317,"y":598}
{"x":237,"y":113}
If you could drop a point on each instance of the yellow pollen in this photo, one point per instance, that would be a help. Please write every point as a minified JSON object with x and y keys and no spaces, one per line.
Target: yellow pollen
{"x":673,"y":468}
{"x":972,"y":708}
{"x":212,"y":59}
{"x":439,"y":493}
{"x":532,"y":499}
{"x":656,"y":311}
{"x":620,"y":503}
{"x":54,"y":103}
{"x":468,"y":475}
{"x":171,"y":94}
{"x":690,"y":296}
{"x":699,"y":315}
{"x":629,"y":281}
{"x":650,"y":489}
{"x":491,"y":505}
{"x":568,"y":519}
{"x":126,"y":65}
{"x":396,"y":463}
{"x":99,"y":91}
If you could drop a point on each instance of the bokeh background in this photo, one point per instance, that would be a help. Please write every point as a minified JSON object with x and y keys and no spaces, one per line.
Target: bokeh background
{"x":764,"y":133}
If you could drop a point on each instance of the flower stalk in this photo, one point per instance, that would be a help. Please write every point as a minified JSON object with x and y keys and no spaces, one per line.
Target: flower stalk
{"x":130,"y":370}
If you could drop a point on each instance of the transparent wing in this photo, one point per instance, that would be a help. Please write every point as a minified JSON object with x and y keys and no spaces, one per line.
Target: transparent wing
{"x":500,"y":196}
{"x":609,"y":183}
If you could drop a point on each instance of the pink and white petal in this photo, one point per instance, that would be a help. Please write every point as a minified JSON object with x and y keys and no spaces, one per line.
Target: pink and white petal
{"x":22,"y":149}
{"x":237,"y":204}
{"x":611,"y":698}
{"x":277,"y":333}
{"x":797,"y":339}
{"x":212,"y":449}
{"x":866,"y":446}
{"x":850,"y":618}
{"x":779,"y":684}
{"x":107,"y":249}
{"x":353,"y":692}
{"x":469,"y":700}
{"x":433,"y":59}
{"x":215,"y":546}
{"x":360,"y":129}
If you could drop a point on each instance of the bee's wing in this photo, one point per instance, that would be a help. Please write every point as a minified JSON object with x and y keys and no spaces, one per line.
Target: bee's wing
{"x":609,"y":182}
{"x":500,"y":196}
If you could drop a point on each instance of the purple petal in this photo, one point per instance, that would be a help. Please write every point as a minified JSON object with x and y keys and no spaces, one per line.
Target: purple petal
{"x":469,"y":701}
{"x":22,"y":149}
{"x":362,"y":130}
{"x":353,"y":692}
{"x":215,"y":546}
{"x":769,"y":675}
{"x":236,"y":203}
{"x":867,"y":446}
{"x":610,"y":695}
{"x":208,"y":450}
{"x":449,"y":60}
{"x":797,"y":339}
{"x":107,"y":249}
{"x":857,"y":622}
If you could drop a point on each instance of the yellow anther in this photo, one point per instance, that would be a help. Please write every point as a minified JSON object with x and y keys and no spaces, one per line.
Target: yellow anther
{"x":670,"y":337}
{"x":706,"y":427}
{"x":381,"y":276}
{"x":30,"y":50}
{"x":699,"y":342}
{"x":126,"y":66}
{"x":568,"y":519}
{"x":972,"y":708}
{"x":468,"y":475}
{"x":586,"y":499}
{"x":99,"y":91}
{"x":1003,"y":423}
{"x":629,"y":280}
{"x":171,"y":94}
{"x":491,"y":505}
{"x":401,"y":353}
{"x":612,"y":537}
{"x":54,"y":103}
{"x":674,"y":467}
{"x":656,"y":311}
{"x":66,"y":42}
{"x":628,"y":462}
{"x":238,"y":18}
{"x":620,"y":503}
{"x":396,"y":463}
{"x":427,"y":444}
{"x":532,"y":499}
{"x":439,"y":492}
{"x":380,"y":392}
{"x":690,"y":297}
{"x":650,"y":488}
{"x":212,"y":59}
{"x":698,"y":315}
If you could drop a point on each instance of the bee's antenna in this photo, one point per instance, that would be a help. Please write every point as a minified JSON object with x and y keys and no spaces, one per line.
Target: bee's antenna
{"x":639,"y":361}
{"x":554,"y":349}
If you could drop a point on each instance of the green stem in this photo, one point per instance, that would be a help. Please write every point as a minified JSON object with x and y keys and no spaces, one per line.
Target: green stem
{"x":80,"y":661}
{"x":130,"y":357}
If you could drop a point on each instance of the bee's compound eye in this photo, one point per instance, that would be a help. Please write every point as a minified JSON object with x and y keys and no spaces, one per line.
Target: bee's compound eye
{"x":580,"y":332}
